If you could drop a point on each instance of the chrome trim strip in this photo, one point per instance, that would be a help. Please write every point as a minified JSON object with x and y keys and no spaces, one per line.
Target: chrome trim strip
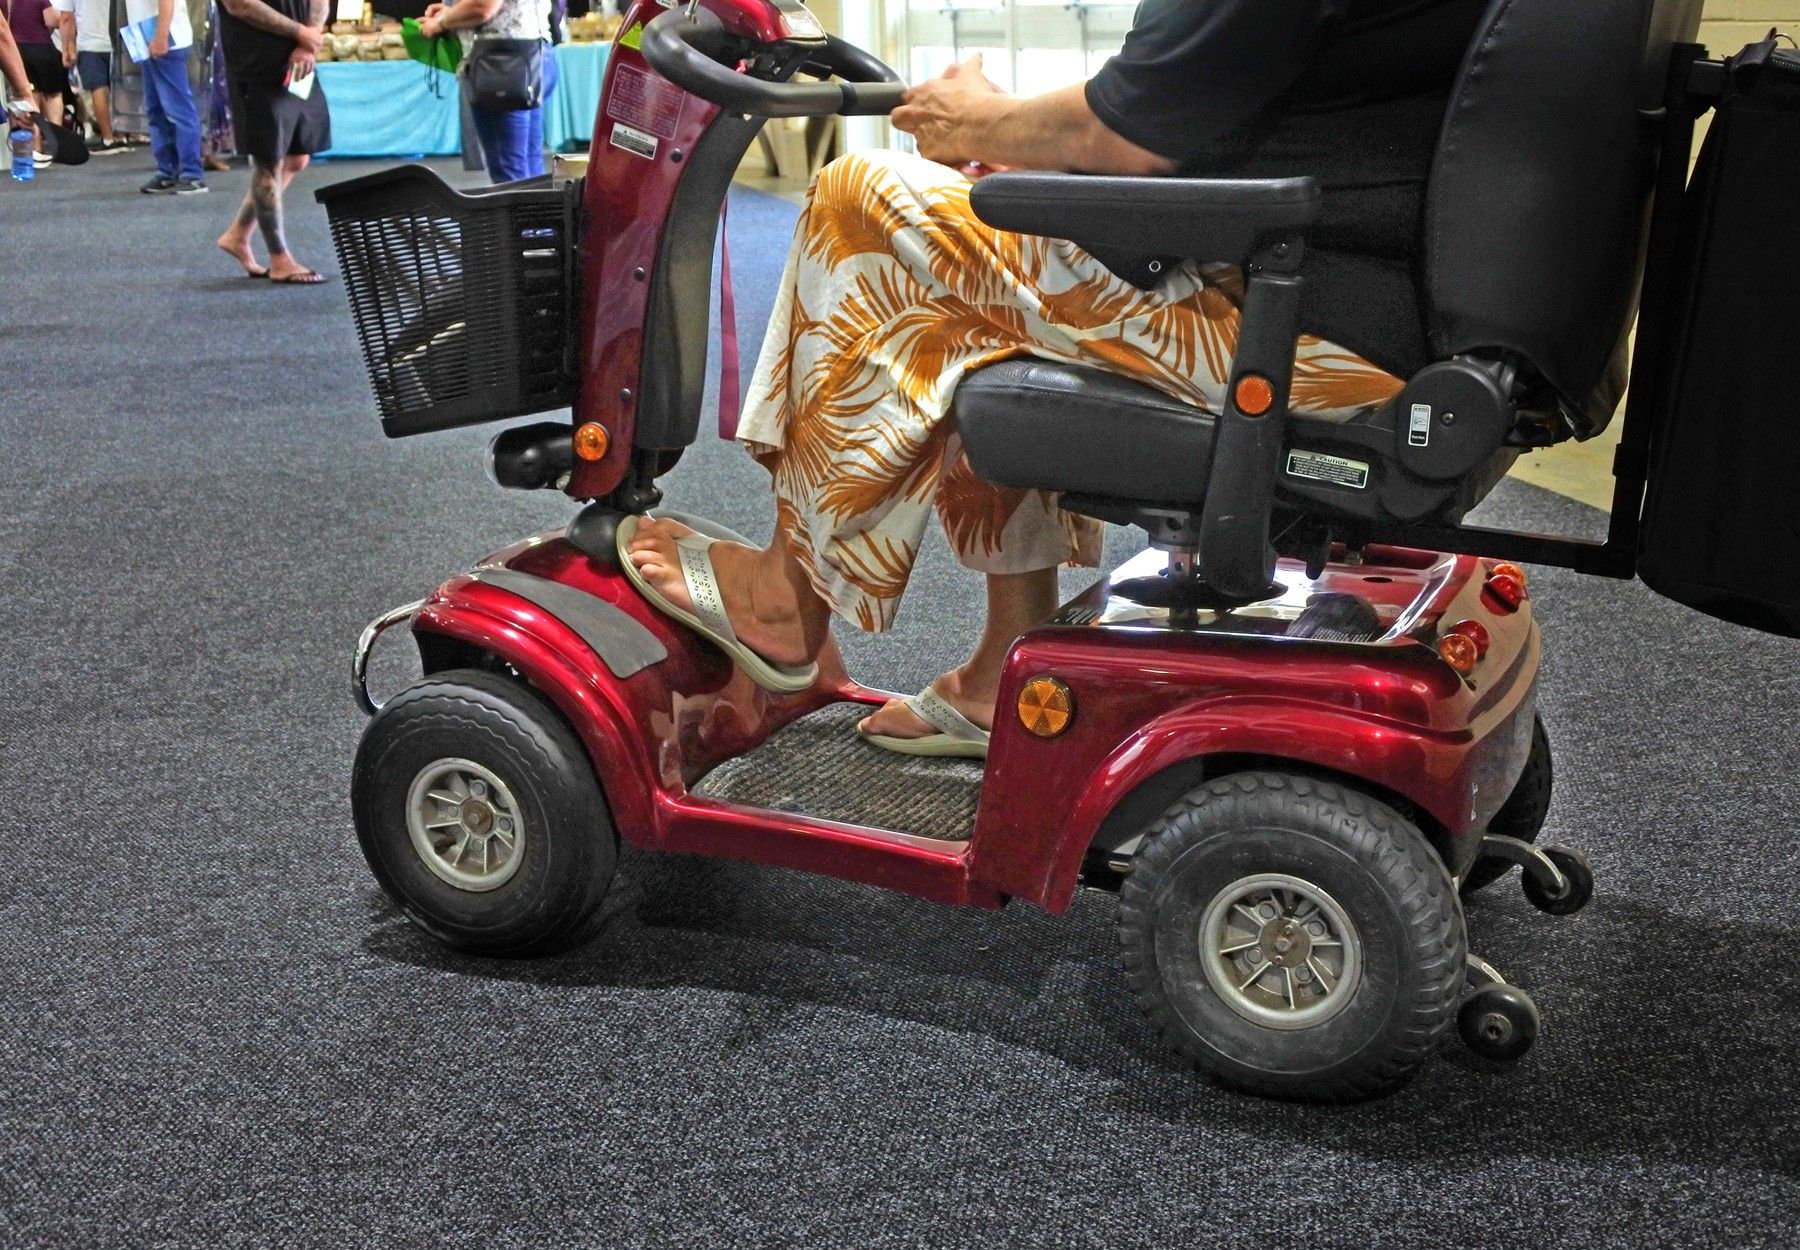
{"x":359,"y":662}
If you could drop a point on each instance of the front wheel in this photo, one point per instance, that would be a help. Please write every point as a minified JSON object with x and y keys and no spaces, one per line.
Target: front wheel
{"x":1293,"y":937}
{"x":477,"y":809}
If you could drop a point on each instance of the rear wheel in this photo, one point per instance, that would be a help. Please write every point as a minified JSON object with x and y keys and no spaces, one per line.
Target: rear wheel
{"x":478,"y":811}
{"x":1293,"y":937}
{"x":1522,"y":815}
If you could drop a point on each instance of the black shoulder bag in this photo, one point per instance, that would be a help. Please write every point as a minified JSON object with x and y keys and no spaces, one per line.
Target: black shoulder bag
{"x":505,"y":75}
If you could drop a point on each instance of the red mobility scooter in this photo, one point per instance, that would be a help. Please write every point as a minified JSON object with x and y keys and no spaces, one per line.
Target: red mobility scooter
{"x":1288,"y":736}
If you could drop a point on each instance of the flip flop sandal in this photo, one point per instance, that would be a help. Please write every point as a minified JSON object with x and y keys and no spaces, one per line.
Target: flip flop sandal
{"x":957,"y":736}
{"x":708,"y":618}
{"x":306,"y":277}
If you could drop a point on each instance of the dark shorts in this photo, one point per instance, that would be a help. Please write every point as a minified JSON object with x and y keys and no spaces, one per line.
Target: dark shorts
{"x":95,"y":69}
{"x":272,"y":122}
{"x":44,"y":67}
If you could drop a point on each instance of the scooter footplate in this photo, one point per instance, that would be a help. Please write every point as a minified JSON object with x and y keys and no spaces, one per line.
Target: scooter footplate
{"x":819,"y":767}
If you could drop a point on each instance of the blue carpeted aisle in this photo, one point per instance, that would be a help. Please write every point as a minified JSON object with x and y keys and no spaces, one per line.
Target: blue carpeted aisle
{"x":214,"y":1031}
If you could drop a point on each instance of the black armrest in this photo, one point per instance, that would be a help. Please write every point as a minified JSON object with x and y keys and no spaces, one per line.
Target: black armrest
{"x":1257,"y":223}
{"x":1208,"y":219}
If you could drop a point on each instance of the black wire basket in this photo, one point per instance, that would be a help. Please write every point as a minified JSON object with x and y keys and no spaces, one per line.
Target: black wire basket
{"x":464,"y":300}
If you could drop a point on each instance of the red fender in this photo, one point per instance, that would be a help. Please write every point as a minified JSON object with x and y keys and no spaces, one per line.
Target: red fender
{"x":563,"y":668}
{"x":1428,"y":769}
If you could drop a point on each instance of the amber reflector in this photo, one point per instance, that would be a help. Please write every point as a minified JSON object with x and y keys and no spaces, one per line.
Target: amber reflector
{"x":1476,"y":633}
{"x":1508,"y":591}
{"x":1508,"y":569}
{"x":591,"y":441}
{"x":1459,"y":652}
{"x":1254,"y":395}
{"x":1046,"y":707}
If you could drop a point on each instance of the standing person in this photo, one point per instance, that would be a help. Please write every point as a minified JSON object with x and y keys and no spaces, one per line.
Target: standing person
{"x":30,"y":22}
{"x":168,"y":100}
{"x":279,"y":116}
{"x":12,"y":69}
{"x":217,"y":142}
{"x":512,"y":140}
{"x":87,"y":45}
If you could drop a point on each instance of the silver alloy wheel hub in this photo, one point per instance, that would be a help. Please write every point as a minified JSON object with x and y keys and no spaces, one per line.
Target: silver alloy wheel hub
{"x":465,"y":825}
{"x":1280,"y":951}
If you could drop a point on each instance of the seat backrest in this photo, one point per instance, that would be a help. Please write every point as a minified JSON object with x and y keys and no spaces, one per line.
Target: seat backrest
{"x":1536,"y":208}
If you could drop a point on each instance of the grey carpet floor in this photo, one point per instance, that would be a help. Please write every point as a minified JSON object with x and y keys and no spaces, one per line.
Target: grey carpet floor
{"x":214,"y":1030}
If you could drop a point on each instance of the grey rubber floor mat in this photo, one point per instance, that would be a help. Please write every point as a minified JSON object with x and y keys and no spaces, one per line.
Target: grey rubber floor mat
{"x":819,"y":767}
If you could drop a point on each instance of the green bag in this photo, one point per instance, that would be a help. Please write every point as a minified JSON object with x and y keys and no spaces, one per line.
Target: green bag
{"x":444,"y":52}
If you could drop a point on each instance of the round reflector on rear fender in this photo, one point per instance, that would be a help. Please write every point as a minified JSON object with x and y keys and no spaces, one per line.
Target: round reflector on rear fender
{"x":1046,"y":707}
{"x":591,"y":441}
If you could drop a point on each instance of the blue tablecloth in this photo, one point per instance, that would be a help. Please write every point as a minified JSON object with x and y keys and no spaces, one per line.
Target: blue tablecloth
{"x":569,"y":114}
{"x":400,"y":108}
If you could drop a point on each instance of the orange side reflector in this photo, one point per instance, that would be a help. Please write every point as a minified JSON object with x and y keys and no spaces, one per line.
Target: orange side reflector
{"x":1506,"y":590}
{"x":1459,"y":652}
{"x":1509,"y":569}
{"x":1046,"y":707}
{"x":1477,"y":633}
{"x":591,"y":441}
{"x":1254,"y":395}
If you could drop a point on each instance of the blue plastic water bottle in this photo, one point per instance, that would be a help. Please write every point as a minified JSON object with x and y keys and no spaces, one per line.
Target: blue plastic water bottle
{"x":19,"y":140}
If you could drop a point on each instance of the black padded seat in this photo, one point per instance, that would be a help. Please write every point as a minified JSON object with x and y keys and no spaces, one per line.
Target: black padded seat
{"x":1531,"y":251}
{"x":1036,"y":424}
{"x":1078,"y":430}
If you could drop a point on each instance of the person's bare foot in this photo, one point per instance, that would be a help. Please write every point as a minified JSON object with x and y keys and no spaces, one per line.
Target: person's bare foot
{"x":973,"y":698}
{"x":761,"y":605}
{"x":237,"y":246}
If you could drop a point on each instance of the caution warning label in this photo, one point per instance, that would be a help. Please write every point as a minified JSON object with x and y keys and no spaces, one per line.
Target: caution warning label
{"x":1318,"y":467}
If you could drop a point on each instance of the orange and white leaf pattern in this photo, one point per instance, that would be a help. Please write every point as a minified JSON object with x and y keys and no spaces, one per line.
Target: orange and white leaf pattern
{"x":894,"y":291}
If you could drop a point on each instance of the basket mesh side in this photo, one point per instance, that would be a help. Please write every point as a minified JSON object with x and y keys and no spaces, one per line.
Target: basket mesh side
{"x":404,"y":276}
{"x":462,"y":303}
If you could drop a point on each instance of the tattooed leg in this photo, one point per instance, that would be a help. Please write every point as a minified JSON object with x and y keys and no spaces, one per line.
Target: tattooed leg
{"x":266,"y":184}
{"x":264,"y":202}
{"x":235,"y":242}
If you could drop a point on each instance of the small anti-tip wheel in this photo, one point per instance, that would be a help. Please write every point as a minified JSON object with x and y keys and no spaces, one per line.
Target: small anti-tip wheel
{"x":1578,"y":891}
{"x":1498,"y":1022}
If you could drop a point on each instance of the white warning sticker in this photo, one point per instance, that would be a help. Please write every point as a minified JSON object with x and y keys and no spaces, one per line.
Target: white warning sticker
{"x":1418,"y":430}
{"x":635,"y":141}
{"x":1319,"y":467}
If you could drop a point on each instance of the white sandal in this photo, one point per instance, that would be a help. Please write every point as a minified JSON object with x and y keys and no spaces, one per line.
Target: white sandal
{"x":957,"y":736}
{"x":708,"y":617}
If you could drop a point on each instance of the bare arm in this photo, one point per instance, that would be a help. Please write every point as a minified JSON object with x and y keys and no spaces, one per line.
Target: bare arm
{"x":961,"y":118}
{"x":12,"y":66}
{"x":261,"y":16}
{"x":463,"y":15}
{"x":304,"y":58}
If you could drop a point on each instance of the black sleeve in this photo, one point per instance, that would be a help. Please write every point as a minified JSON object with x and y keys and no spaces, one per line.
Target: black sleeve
{"x":1193,"y":70}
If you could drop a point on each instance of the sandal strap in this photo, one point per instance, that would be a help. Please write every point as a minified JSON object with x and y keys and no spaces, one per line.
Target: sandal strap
{"x":695,"y":553}
{"x":932,"y":708}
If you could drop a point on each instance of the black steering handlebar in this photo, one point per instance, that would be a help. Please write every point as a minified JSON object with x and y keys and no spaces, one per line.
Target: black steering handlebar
{"x":692,"y":54}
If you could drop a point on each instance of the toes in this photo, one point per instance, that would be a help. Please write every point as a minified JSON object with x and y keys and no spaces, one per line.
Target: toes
{"x":897,"y":721}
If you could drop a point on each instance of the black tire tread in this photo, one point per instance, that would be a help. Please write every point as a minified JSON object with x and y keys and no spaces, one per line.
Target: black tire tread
{"x":545,"y":742}
{"x":1383,"y":838}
